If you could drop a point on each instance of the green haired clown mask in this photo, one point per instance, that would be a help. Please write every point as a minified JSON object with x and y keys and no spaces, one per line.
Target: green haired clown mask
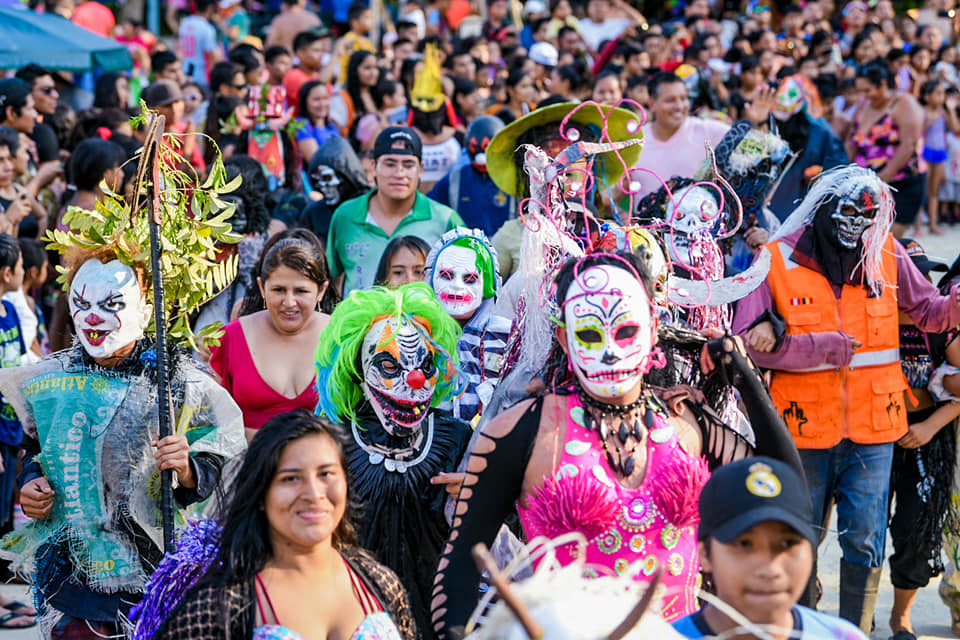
{"x":463,"y":271}
{"x":390,"y":348}
{"x":399,"y":372}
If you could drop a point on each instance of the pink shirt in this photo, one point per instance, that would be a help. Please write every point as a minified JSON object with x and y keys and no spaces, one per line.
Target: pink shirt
{"x":681,"y":155}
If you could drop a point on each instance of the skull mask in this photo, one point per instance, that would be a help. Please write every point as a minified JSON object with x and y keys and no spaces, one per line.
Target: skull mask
{"x":325,"y":180}
{"x":854,"y":214}
{"x":693,"y":215}
{"x":399,"y":374}
{"x":609,"y":330}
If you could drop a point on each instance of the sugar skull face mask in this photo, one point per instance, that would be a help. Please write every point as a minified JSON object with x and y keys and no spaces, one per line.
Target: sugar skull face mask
{"x":694,"y":216}
{"x":107,"y":308}
{"x":458,"y":282}
{"x":609,"y":330}
{"x":399,"y":374}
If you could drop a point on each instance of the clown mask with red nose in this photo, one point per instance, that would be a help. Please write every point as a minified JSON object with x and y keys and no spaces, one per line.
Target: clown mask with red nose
{"x":107,"y":307}
{"x":399,"y":373}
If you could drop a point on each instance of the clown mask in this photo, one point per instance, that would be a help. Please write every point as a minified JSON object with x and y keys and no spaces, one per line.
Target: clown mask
{"x":399,"y":374}
{"x":458,"y":282}
{"x":107,"y":307}
{"x":609,"y":330}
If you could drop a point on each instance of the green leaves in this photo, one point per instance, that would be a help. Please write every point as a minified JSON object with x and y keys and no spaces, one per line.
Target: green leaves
{"x":197,"y":260}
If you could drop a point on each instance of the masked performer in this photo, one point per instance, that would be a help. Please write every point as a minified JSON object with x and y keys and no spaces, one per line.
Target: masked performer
{"x":836,"y":284}
{"x":462,"y":269}
{"x":384,"y":362}
{"x":335,"y":175}
{"x":434,"y":119}
{"x":602,"y":455}
{"x":90,"y":477}
{"x":469,"y":189}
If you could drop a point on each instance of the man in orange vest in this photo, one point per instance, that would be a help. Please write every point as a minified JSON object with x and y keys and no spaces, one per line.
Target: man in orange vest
{"x":825,"y":322}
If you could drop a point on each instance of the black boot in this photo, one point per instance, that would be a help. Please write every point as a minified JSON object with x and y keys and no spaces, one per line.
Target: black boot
{"x":858,"y":594}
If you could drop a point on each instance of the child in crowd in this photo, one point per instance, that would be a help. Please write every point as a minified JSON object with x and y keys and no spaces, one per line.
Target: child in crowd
{"x":12,"y":350}
{"x":32,"y":328}
{"x":940,"y":115}
{"x":757,"y":542}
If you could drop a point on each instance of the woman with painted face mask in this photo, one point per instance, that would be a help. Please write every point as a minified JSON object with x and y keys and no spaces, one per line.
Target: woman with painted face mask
{"x":600,"y":438}
{"x":384,"y":362}
{"x":265,"y":357}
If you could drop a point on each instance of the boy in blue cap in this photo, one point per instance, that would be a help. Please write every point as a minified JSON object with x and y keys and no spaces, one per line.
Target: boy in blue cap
{"x":757,"y":542}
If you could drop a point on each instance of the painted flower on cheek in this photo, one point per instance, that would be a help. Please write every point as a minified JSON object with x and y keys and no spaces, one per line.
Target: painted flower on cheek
{"x":609,"y":330}
{"x":458,"y":281}
{"x":399,"y":372}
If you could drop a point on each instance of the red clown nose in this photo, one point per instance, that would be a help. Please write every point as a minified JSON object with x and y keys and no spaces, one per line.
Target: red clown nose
{"x":416,"y":379}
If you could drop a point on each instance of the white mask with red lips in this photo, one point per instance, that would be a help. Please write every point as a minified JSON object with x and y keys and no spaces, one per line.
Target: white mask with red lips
{"x":107,"y":307}
{"x":458,"y":282}
{"x":609,"y":330}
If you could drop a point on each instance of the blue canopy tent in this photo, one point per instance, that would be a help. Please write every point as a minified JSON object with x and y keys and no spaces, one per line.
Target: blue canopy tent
{"x":55,"y":43}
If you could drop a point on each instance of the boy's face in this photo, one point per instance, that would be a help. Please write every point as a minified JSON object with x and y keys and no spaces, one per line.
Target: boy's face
{"x":762,"y":573}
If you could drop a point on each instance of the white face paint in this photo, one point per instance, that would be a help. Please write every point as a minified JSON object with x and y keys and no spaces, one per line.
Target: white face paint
{"x":399,"y":374}
{"x":107,"y":308}
{"x":609,"y":330}
{"x":693,"y":215}
{"x":458,"y":282}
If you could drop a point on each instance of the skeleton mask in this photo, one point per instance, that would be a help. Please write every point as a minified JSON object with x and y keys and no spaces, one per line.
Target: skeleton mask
{"x":399,"y":374}
{"x":325,"y":181}
{"x":609,"y":330}
{"x":694,"y":215}
{"x":458,"y":282}
{"x":107,"y":307}
{"x":855,"y":213}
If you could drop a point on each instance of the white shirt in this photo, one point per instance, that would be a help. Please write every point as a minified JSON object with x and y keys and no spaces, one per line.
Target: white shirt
{"x":596,"y":33}
{"x":197,"y":37}
{"x":680,"y":155}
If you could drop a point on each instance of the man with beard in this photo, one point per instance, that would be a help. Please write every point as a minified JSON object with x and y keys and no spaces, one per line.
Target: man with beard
{"x":837,"y":281}
{"x":384,"y":362}
{"x":811,"y":139}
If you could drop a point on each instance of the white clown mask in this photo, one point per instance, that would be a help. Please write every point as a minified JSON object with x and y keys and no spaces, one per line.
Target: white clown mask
{"x":107,"y":307}
{"x":458,"y":282}
{"x":609,"y":330}
{"x":399,"y":374}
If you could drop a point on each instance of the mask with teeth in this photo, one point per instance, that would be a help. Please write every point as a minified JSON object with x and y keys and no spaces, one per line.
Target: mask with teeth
{"x":458,"y":281}
{"x":399,"y":374}
{"x":107,"y":307}
{"x":324,"y":179}
{"x":855,"y":213}
{"x":610,"y":331}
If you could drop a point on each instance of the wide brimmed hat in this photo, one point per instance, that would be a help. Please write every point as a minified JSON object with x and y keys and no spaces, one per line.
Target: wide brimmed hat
{"x":621,"y":125}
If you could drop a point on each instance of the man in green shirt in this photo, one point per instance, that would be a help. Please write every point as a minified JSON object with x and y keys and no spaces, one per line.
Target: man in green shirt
{"x":361,"y":228}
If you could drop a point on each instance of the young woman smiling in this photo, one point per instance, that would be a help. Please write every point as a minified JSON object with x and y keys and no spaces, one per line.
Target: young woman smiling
{"x":265,"y":357}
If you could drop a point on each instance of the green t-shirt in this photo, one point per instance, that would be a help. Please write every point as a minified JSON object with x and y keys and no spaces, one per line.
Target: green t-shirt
{"x":355,"y":243}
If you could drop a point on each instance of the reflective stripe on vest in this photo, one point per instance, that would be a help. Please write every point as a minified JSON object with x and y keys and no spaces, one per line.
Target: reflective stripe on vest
{"x":868,"y":359}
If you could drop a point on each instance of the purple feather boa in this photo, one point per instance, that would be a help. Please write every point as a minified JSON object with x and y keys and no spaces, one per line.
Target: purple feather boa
{"x":178,"y":571}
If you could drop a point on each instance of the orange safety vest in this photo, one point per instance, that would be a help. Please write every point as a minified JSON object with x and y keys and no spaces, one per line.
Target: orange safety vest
{"x":861,"y":401}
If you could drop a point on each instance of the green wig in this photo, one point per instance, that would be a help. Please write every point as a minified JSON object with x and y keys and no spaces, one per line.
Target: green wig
{"x":339,"y":378}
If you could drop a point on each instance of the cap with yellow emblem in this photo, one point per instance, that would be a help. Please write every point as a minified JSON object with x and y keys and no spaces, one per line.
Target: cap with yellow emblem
{"x":747,"y":492}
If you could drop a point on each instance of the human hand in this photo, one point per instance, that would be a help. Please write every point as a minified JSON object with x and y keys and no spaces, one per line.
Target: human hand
{"x":762,"y":337}
{"x":758,"y":110}
{"x":36,"y":498}
{"x":951,"y":102}
{"x":453,"y":482}
{"x":47,"y":172}
{"x":19,"y":208}
{"x":707,"y":365}
{"x":173,"y":452}
{"x":918,"y":435}
{"x":755,"y":237}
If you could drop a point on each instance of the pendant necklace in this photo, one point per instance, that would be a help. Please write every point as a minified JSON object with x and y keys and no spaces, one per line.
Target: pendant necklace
{"x":615,"y":419}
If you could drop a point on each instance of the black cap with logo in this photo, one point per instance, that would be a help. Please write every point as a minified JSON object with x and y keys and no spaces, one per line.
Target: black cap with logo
{"x":747,"y":492}
{"x":401,"y":141}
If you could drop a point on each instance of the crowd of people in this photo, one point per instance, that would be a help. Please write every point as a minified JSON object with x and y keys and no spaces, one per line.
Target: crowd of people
{"x":637,"y":290}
